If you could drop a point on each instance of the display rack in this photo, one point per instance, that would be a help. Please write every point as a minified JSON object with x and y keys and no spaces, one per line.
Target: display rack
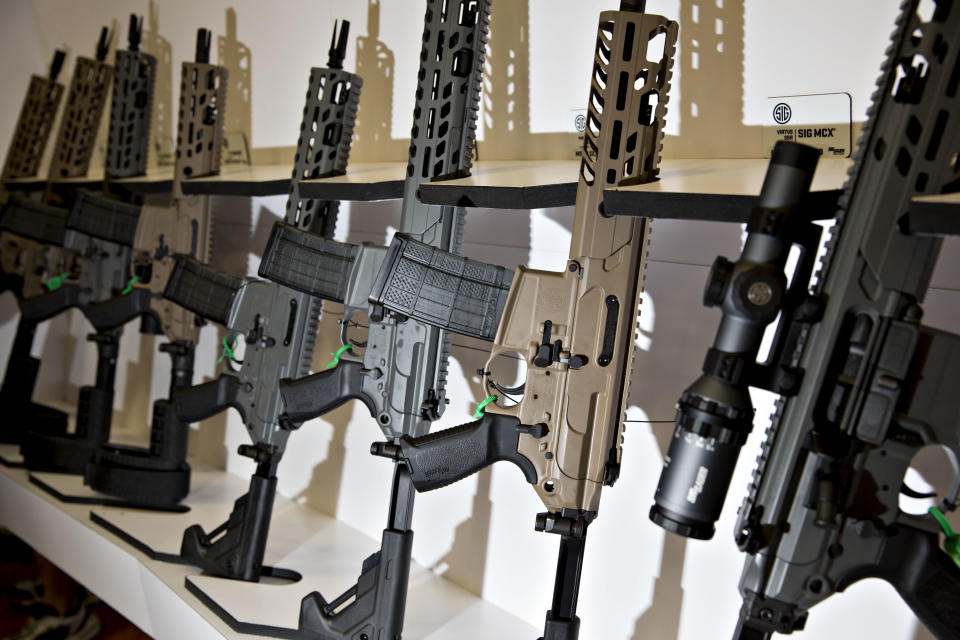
{"x":530,"y":184}
{"x":726,"y":188}
{"x":722,"y":190}
{"x":156,"y":597}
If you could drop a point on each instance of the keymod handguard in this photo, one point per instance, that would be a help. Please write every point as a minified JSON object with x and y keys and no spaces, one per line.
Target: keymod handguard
{"x":441,"y":289}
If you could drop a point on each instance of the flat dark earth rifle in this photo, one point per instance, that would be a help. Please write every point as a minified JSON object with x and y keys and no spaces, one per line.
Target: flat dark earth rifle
{"x":277,"y":325}
{"x":864,"y":385}
{"x":32,"y":232}
{"x":574,"y":329}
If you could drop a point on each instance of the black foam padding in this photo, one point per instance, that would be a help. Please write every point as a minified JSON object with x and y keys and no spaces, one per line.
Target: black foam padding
{"x":540,"y":196}
{"x":352,"y":191}
{"x":202,"y":289}
{"x":33,"y":219}
{"x":442,"y":289}
{"x":104,"y":218}
{"x":712,"y":207}
{"x":300,"y":260}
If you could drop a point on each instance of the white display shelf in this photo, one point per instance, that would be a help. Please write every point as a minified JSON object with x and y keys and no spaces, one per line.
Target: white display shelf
{"x":153,"y":594}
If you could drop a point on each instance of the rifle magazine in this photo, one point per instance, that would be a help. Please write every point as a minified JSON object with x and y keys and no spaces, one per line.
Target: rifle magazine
{"x":441,"y":289}
{"x":307,"y":263}
{"x":202,"y":289}
{"x":35,"y":220}
{"x":104,"y":218}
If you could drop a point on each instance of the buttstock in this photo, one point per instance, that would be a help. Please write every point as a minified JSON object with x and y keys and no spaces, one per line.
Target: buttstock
{"x":201,"y":401}
{"x":441,"y":458}
{"x":314,"y":395}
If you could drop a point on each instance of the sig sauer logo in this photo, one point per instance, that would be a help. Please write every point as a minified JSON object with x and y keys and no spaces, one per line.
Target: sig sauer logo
{"x":782,"y":113}
{"x":823,"y":132}
{"x":693,"y":493}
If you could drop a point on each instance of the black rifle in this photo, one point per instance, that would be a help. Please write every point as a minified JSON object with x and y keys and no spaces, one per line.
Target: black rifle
{"x":399,"y":371}
{"x":158,"y":476}
{"x":863,"y":385}
{"x":31,"y":232}
{"x":278,"y":325}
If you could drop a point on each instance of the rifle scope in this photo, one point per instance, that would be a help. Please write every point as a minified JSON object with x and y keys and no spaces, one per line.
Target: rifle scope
{"x":715,"y":414}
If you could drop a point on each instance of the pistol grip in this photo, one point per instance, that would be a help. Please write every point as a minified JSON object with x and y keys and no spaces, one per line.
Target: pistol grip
{"x":441,"y":458}
{"x":925,"y":577}
{"x":314,"y":395}
{"x":119,"y":310}
{"x":199,"y":402}
{"x":46,"y":306}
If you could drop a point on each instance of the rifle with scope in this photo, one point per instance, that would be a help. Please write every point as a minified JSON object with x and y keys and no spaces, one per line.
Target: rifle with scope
{"x":32,"y":232}
{"x":574,"y":329}
{"x":863,"y":385}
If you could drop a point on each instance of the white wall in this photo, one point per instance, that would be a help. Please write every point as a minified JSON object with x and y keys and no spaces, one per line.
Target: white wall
{"x":638,"y":583}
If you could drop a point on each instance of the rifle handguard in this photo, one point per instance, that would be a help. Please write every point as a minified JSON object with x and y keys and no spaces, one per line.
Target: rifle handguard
{"x":438,"y":459}
{"x":315,"y":395}
{"x":201,"y":401}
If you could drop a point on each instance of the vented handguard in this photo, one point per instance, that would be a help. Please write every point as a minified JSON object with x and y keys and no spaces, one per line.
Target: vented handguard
{"x":202,"y":289}
{"x":34,"y":124}
{"x":80,"y":122}
{"x":444,"y":290}
{"x":129,"y":140}
{"x":308,"y":263}
{"x":323,"y":148}
{"x":104,"y":218}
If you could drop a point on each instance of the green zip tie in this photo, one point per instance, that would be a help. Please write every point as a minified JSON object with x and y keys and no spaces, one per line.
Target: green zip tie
{"x":336,"y":356}
{"x":952,"y":542}
{"x":55,"y":282}
{"x":127,"y":289}
{"x":483,"y":405}
{"x":228,"y":350}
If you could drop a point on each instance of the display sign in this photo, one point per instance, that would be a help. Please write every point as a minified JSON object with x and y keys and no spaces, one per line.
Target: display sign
{"x":822,"y":120}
